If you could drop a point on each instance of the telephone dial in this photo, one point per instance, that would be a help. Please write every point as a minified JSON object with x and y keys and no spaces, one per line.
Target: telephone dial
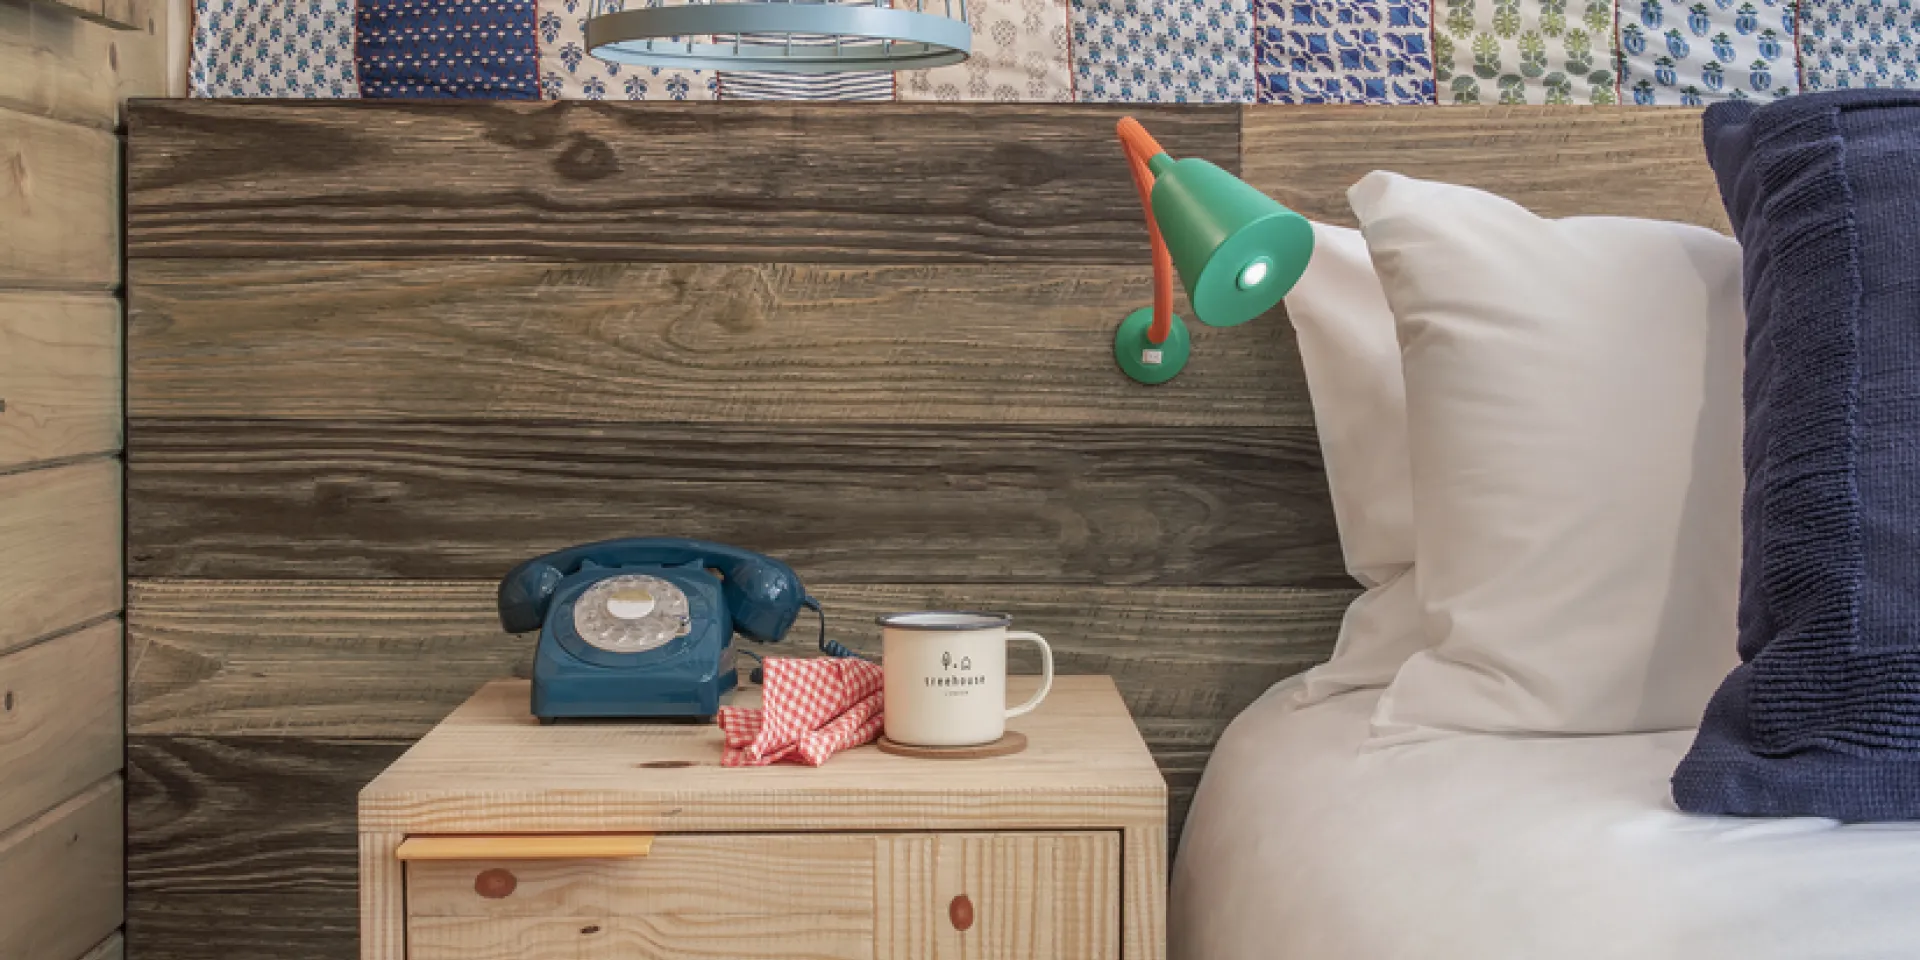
{"x":643,"y":628}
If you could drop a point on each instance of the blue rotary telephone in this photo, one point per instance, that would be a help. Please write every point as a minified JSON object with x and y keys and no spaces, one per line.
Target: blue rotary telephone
{"x":644,"y":627}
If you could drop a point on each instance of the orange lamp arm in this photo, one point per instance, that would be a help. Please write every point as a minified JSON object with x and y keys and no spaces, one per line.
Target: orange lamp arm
{"x":1138,"y":146}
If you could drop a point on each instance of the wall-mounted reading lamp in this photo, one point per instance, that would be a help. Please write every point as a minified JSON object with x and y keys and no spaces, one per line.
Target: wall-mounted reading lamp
{"x":1238,"y":252}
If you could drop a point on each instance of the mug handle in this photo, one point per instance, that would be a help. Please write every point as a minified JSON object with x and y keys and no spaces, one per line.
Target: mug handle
{"x":1046,"y":671}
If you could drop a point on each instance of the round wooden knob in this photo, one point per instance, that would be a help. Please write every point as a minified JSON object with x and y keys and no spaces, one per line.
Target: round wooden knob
{"x":960,"y":911}
{"x":495,"y":884}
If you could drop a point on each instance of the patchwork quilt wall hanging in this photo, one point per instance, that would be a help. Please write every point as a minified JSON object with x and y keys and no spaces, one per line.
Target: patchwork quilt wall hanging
{"x":1637,"y":52}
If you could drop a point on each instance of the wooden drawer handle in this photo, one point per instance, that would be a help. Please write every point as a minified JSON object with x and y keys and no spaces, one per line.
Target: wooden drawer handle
{"x":547,"y":847}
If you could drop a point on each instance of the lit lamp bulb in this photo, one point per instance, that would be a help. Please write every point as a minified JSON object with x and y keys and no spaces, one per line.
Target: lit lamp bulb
{"x":1236,"y":251}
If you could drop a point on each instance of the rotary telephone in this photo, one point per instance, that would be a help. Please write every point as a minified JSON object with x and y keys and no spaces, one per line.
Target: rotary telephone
{"x":643,"y":628}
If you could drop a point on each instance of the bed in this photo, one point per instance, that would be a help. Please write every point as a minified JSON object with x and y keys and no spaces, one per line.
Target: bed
{"x":1304,"y":843}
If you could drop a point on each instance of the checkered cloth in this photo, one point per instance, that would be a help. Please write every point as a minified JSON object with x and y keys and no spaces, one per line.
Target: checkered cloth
{"x":811,"y":709}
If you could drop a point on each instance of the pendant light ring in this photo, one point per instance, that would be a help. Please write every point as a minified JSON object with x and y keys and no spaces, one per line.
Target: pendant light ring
{"x":785,"y":37}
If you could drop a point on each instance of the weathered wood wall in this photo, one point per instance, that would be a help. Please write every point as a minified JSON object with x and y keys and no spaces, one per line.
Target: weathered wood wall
{"x":62,"y":80}
{"x":380,"y":352}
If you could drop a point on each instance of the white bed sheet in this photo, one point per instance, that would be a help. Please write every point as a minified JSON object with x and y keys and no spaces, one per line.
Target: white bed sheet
{"x":1303,"y":846}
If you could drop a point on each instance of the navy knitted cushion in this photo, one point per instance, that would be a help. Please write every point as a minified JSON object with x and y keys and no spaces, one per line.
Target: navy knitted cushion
{"x":1822,"y":718}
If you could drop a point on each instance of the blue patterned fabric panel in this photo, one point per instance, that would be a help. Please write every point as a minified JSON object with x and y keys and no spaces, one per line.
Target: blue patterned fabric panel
{"x":1677,"y":52}
{"x":1822,"y":718}
{"x":1147,"y":51}
{"x":1345,"y":51}
{"x":293,"y":49}
{"x":1860,"y":44}
{"x":568,"y":72}
{"x":448,"y":49}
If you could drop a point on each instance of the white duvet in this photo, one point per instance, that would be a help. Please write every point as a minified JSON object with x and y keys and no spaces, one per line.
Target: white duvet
{"x":1302,"y":846}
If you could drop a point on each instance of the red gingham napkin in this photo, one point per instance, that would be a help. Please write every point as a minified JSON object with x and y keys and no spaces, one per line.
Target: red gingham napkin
{"x":811,"y":709}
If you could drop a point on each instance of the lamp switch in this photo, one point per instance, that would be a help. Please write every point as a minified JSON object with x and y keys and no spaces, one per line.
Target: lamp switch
{"x":1151,"y":356}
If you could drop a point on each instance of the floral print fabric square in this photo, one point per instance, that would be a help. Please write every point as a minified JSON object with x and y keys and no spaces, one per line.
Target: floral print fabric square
{"x":568,"y":72}
{"x":1148,"y":51}
{"x":1860,"y":44}
{"x":1525,"y":51}
{"x":1345,"y":51}
{"x":451,"y":49}
{"x":1019,"y":54}
{"x":1690,"y":52}
{"x":290,"y":49}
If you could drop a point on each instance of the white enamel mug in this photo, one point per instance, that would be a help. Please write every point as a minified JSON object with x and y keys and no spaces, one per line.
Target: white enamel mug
{"x":946,"y":676}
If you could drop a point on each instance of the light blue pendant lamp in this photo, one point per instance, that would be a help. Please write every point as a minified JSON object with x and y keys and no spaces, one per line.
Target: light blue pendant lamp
{"x":781,"y":36}
{"x":1238,"y":252}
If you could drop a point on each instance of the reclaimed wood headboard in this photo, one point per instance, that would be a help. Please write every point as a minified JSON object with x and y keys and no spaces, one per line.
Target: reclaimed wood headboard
{"x":378,"y":352}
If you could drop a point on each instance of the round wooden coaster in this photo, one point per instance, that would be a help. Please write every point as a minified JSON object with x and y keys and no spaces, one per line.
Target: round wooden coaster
{"x":1012,"y":742}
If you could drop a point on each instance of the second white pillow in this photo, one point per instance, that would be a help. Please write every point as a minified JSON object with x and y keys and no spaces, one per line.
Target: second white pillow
{"x":1574,"y":420}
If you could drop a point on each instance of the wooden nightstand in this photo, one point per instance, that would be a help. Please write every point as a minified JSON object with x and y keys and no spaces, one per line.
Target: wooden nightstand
{"x":495,"y":838}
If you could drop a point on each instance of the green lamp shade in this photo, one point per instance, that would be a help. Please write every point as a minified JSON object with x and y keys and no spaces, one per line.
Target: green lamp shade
{"x":1238,"y":251}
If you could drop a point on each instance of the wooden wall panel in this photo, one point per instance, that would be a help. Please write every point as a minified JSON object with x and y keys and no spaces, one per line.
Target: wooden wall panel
{"x":60,"y":377}
{"x":59,"y":549}
{"x":343,"y":659}
{"x":904,"y":503}
{"x":60,"y":201}
{"x":1020,"y":342}
{"x":61,"y":724}
{"x":55,"y":65}
{"x":244,"y":848}
{"x":63,"y":875}
{"x":379,"y":352}
{"x":773,"y":182}
{"x":1556,"y":161}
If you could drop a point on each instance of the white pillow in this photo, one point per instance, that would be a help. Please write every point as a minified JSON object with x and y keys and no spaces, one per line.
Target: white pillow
{"x":1352,"y":359}
{"x":1574,"y":422}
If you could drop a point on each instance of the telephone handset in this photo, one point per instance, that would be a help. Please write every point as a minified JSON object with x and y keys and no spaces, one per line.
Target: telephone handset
{"x":762,"y":594}
{"x":642,"y":627}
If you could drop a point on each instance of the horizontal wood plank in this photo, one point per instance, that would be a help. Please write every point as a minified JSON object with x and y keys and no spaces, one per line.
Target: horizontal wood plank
{"x":931,"y":504}
{"x":59,"y":549}
{"x":754,"y":182}
{"x":117,"y":14}
{"x":245,"y":849}
{"x":56,"y":65}
{"x":61,"y":724}
{"x":999,"y":343}
{"x":60,"y":201}
{"x":63,"y":876}
{"x":60,"y":377}
{"x":1556,"y":161}
{"x":320,"y":658}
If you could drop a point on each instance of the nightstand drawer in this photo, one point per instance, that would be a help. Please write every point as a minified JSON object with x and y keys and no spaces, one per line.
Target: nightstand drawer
{"x":744,"y":896}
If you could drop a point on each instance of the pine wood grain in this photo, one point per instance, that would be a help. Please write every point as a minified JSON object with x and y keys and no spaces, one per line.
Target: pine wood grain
{"x":117,"y":14}
{"x":383,"y":920}
{"x":60,"y":377}
{"x":59,"y":66}
{"x":1025,"y":342}
{"x":1085,"y":767}
{"x":763,"y":182}
{"x":686,"y":875}
{"x":61,"y":725}
{"x":1556,"y":161}
{"x":60,"y":201}
{"x":342,"y":658}
{"x":59,"y":549}
{"x":534,"y":847}
{"x":1143,"y":908}
{"x":921,"y":503}
{"x":1033,"y":895}
{"x":63,"y":877}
